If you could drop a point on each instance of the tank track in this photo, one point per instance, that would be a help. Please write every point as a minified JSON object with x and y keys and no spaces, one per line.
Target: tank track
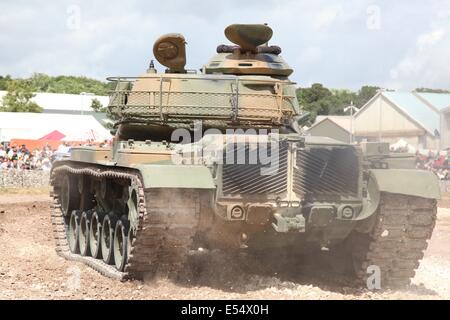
{"x":398,"y":240}
{"x":168,"y":221}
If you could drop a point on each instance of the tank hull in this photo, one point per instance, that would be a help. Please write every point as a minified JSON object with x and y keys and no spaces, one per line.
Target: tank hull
{"x":172,"y":210}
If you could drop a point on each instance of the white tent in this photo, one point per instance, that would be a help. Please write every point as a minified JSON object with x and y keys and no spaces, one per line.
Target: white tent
{"x":62,"y":103}
{"x":19,"y":125}
{"x":402,"y":144}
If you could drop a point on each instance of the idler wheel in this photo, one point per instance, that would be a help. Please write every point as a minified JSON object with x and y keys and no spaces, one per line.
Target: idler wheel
{"x":107,"y":236}
{"x":121,"y":247}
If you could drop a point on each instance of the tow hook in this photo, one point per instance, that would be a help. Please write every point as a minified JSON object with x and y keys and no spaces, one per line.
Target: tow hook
{"x":243,"y":239}
{"x":286,"y":224}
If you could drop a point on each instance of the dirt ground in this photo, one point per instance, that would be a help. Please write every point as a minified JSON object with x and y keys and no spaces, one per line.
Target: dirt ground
{"x":30,"y":269}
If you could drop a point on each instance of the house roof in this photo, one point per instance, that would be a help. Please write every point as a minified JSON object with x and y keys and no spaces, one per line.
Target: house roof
{"x":438,"y":100}
{"x":412,"y":106}
{"x":415,"y":109}
{"x":342,"y":121}
{"x":54,"y":135}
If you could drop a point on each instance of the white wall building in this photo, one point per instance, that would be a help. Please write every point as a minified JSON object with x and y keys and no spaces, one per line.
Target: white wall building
{"x":440,"y":102}
{"x":65,"y":103}
{"x":391,"y":116}
{"x":420,"y":119}
{"x":70,"y":114}
{"x":27,"y":125}
{"x":335,"y":127}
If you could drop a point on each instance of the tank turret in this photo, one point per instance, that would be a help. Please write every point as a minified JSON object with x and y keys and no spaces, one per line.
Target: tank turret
{"x":245,"y":85}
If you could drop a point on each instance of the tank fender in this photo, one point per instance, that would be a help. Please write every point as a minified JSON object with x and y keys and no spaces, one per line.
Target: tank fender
{"x":176,"y":176}
{"x":418,"y":183}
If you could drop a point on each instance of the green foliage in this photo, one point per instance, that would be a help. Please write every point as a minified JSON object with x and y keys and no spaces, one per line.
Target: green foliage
{"x":364,"y":95}
{"x":68,"y":84}
{"x":40,"y":82}
{"x":316,"y":100}
{"x":4,"y":81}
{"x":97,"y":106}
{"x":18,"y":98}
{"x":319,"y":100}
{"x":20,"y":91}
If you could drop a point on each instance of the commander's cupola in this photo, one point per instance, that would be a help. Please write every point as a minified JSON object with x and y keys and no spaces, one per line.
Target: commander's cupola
{"x":251,"y":54}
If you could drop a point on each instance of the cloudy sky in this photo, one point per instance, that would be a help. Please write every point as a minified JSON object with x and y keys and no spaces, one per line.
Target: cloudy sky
{"x":342,"y":44}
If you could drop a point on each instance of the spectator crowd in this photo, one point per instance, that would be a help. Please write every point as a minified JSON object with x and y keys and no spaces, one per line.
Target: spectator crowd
{"x":438,"y":162}
{"x":20,"y":158}
{"x":432,"y":160}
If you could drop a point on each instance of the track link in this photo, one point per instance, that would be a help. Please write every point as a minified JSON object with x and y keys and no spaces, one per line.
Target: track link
{"x":397,"y":243}
{"x":167,"y":223}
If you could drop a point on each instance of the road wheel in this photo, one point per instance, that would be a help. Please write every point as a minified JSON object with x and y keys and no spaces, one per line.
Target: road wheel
{"x":73,"y":231}
{"x":83,"y":237}
{"x":107,"y":236}
{"x":95,"y":228}
{"x":121,"y":246}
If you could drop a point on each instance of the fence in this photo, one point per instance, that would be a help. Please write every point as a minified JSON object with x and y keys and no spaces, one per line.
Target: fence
{"x":39,"y":178}
{"x":24,"y":178}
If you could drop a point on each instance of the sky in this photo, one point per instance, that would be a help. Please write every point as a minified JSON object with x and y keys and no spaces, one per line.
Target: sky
{"x":343,"y":44}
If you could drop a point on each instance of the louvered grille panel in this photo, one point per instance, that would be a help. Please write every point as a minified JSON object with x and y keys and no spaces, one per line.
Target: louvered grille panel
{"x":324,"y":172}
{"x":248,"y":179}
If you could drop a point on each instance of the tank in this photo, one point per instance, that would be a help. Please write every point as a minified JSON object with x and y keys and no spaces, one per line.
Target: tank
{"x":216,"y":159}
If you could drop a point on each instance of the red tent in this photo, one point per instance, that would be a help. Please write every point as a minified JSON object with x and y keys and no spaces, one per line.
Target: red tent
{"x":54,"y":135}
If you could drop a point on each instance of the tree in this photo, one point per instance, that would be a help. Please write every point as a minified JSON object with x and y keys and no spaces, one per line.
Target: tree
{"x":18,"y":98}
{"x":319,"y":100}
{"x":314,"y":99}
{"x":365,"y":94}
{"x":4,"y":81}
{"x":41,"y":82}
{"x":97,"y":106}
{"x":76,"y":85}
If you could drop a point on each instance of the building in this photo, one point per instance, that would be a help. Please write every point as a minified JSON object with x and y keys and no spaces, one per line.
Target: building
{"x":391,"y":116}
{"x":62,"y":103}
{"x":35,"y":126}
{"x":440,"y":102}
{"x":335,"y":127}
{"x":69,"y":114}
{"x":420,"y":119}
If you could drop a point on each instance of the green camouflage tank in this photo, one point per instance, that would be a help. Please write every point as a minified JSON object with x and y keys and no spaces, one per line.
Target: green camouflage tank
{"x":216,"y":159}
